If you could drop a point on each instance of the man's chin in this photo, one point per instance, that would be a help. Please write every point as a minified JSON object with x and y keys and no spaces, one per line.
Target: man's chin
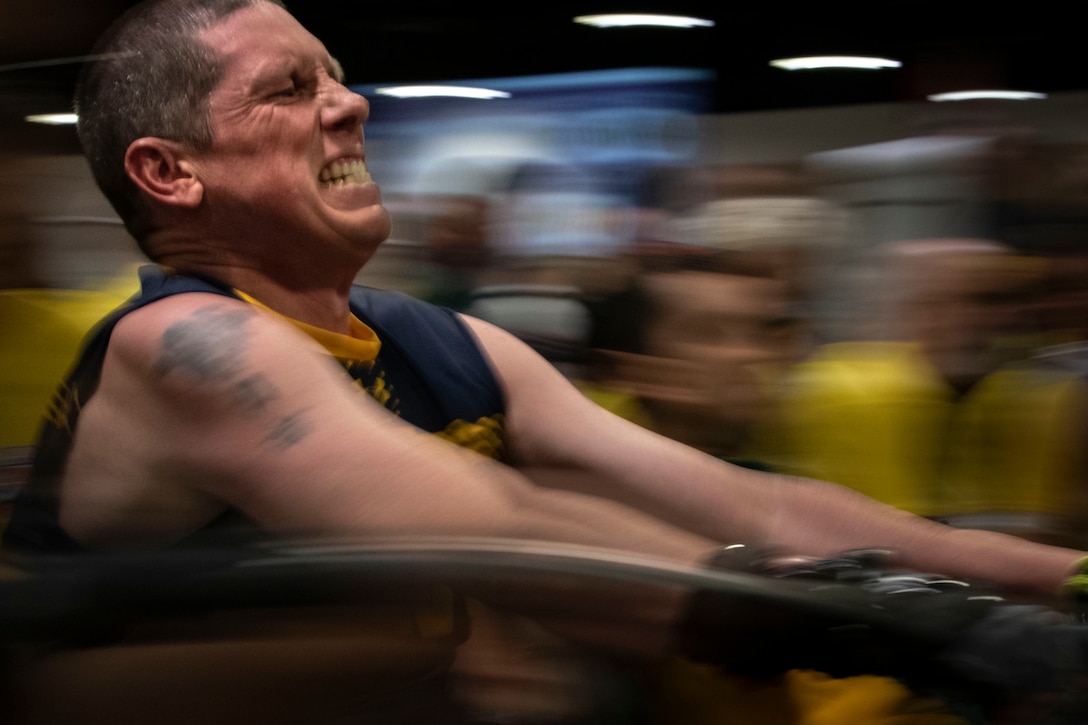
{"x":381,"y":227}
{"x":367,"y":222}
{"x":367,"y":236}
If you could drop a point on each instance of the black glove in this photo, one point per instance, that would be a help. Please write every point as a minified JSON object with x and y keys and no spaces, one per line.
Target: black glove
{"x":848,"y":616}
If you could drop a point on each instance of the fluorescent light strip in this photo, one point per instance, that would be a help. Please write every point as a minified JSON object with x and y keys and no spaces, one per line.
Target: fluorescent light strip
{"x":835,"y":61}
{"x":987,"y":95}
{"x":448,"y":91}
{"x":628,"y":20}
{"x":53,"y":119}
{"x":64,"y":61}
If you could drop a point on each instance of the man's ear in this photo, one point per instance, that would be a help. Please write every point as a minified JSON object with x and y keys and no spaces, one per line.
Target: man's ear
{"x":164,"y":172}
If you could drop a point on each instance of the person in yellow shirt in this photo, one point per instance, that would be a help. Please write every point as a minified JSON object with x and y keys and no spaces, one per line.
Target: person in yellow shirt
{"x":933,"y":409}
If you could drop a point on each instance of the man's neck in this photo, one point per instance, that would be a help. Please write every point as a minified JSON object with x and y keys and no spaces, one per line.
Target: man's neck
{"x":309,"y":288}
{"x":322,"y":304}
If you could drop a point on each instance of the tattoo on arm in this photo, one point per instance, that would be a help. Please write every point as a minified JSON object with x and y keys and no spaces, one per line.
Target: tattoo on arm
{"x":209,"y":346}
{"x":254,"y":392}
{"x":206,"y":345}
{"x":288,"y":431}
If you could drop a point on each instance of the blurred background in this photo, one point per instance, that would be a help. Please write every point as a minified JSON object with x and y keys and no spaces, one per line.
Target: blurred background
{"x":827,"y":272}
{"x":824,"y":271}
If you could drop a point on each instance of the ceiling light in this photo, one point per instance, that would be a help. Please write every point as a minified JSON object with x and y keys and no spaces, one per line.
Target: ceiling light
{"x":627,"y":20}
{"x":835,"y":61}
{"x":988,"y":95}
{"x":447,"y":91}
{"x":53,"y":119}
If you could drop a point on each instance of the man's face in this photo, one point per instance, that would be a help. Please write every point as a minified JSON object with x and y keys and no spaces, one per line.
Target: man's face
{"x":287,"y":162}
{"x":715,"y":343}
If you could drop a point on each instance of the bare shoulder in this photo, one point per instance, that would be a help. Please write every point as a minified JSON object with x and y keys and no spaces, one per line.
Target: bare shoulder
{"x":526,"y":377}
{"x":135,"y":456}
{"x":200,"y":395}
{"x":212,"y":362}
{"x":512,"y":359}
{"x":196,"y":333}
{"x":548,"y":418}
{"x":201,"y":345}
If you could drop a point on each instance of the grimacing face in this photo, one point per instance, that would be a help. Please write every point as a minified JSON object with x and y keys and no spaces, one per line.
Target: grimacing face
{"x":287,"y":163}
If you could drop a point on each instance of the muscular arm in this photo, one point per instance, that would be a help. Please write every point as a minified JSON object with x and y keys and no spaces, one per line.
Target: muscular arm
{"x":578,"y":446}
{"x":205,"y":401}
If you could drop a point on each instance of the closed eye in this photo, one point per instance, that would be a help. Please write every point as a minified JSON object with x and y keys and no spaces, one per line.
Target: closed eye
{"x":295,"y":88}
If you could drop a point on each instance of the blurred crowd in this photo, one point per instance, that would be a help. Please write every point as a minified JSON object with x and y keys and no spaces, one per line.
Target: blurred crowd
{"x":753,"y":313}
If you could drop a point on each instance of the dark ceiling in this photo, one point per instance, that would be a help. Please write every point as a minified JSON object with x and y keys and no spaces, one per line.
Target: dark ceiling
{"x":943,"y":46}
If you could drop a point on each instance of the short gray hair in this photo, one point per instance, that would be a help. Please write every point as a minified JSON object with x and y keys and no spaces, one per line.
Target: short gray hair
{"x":149,"y":75}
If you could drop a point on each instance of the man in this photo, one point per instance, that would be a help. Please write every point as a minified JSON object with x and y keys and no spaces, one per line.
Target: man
{"x":715,"y":344}
{"x":222,"y":133}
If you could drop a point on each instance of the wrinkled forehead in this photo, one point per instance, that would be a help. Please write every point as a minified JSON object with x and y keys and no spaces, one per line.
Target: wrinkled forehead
{"x":263,"y":34}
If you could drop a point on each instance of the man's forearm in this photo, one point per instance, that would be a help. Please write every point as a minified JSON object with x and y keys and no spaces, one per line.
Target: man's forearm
{"x":818,"y":518}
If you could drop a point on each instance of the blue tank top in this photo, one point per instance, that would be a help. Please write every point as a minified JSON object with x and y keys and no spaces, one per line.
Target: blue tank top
{"x":428,"y":370}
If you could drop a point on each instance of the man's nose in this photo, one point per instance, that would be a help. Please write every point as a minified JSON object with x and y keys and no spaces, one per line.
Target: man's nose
{"x":342,"y":108}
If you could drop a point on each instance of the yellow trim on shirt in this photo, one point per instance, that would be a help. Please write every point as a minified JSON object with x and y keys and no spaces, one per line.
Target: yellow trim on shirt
{"x":360,"y":345}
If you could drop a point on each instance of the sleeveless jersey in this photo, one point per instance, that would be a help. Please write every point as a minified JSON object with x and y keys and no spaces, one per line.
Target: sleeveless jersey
{"x":427,"y":369}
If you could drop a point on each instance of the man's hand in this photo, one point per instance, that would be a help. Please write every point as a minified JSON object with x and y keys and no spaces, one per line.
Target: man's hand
{"x":846,"y":616}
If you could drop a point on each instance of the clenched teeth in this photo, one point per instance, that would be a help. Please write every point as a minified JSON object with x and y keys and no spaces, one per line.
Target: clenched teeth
{"x":345,"y":172}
